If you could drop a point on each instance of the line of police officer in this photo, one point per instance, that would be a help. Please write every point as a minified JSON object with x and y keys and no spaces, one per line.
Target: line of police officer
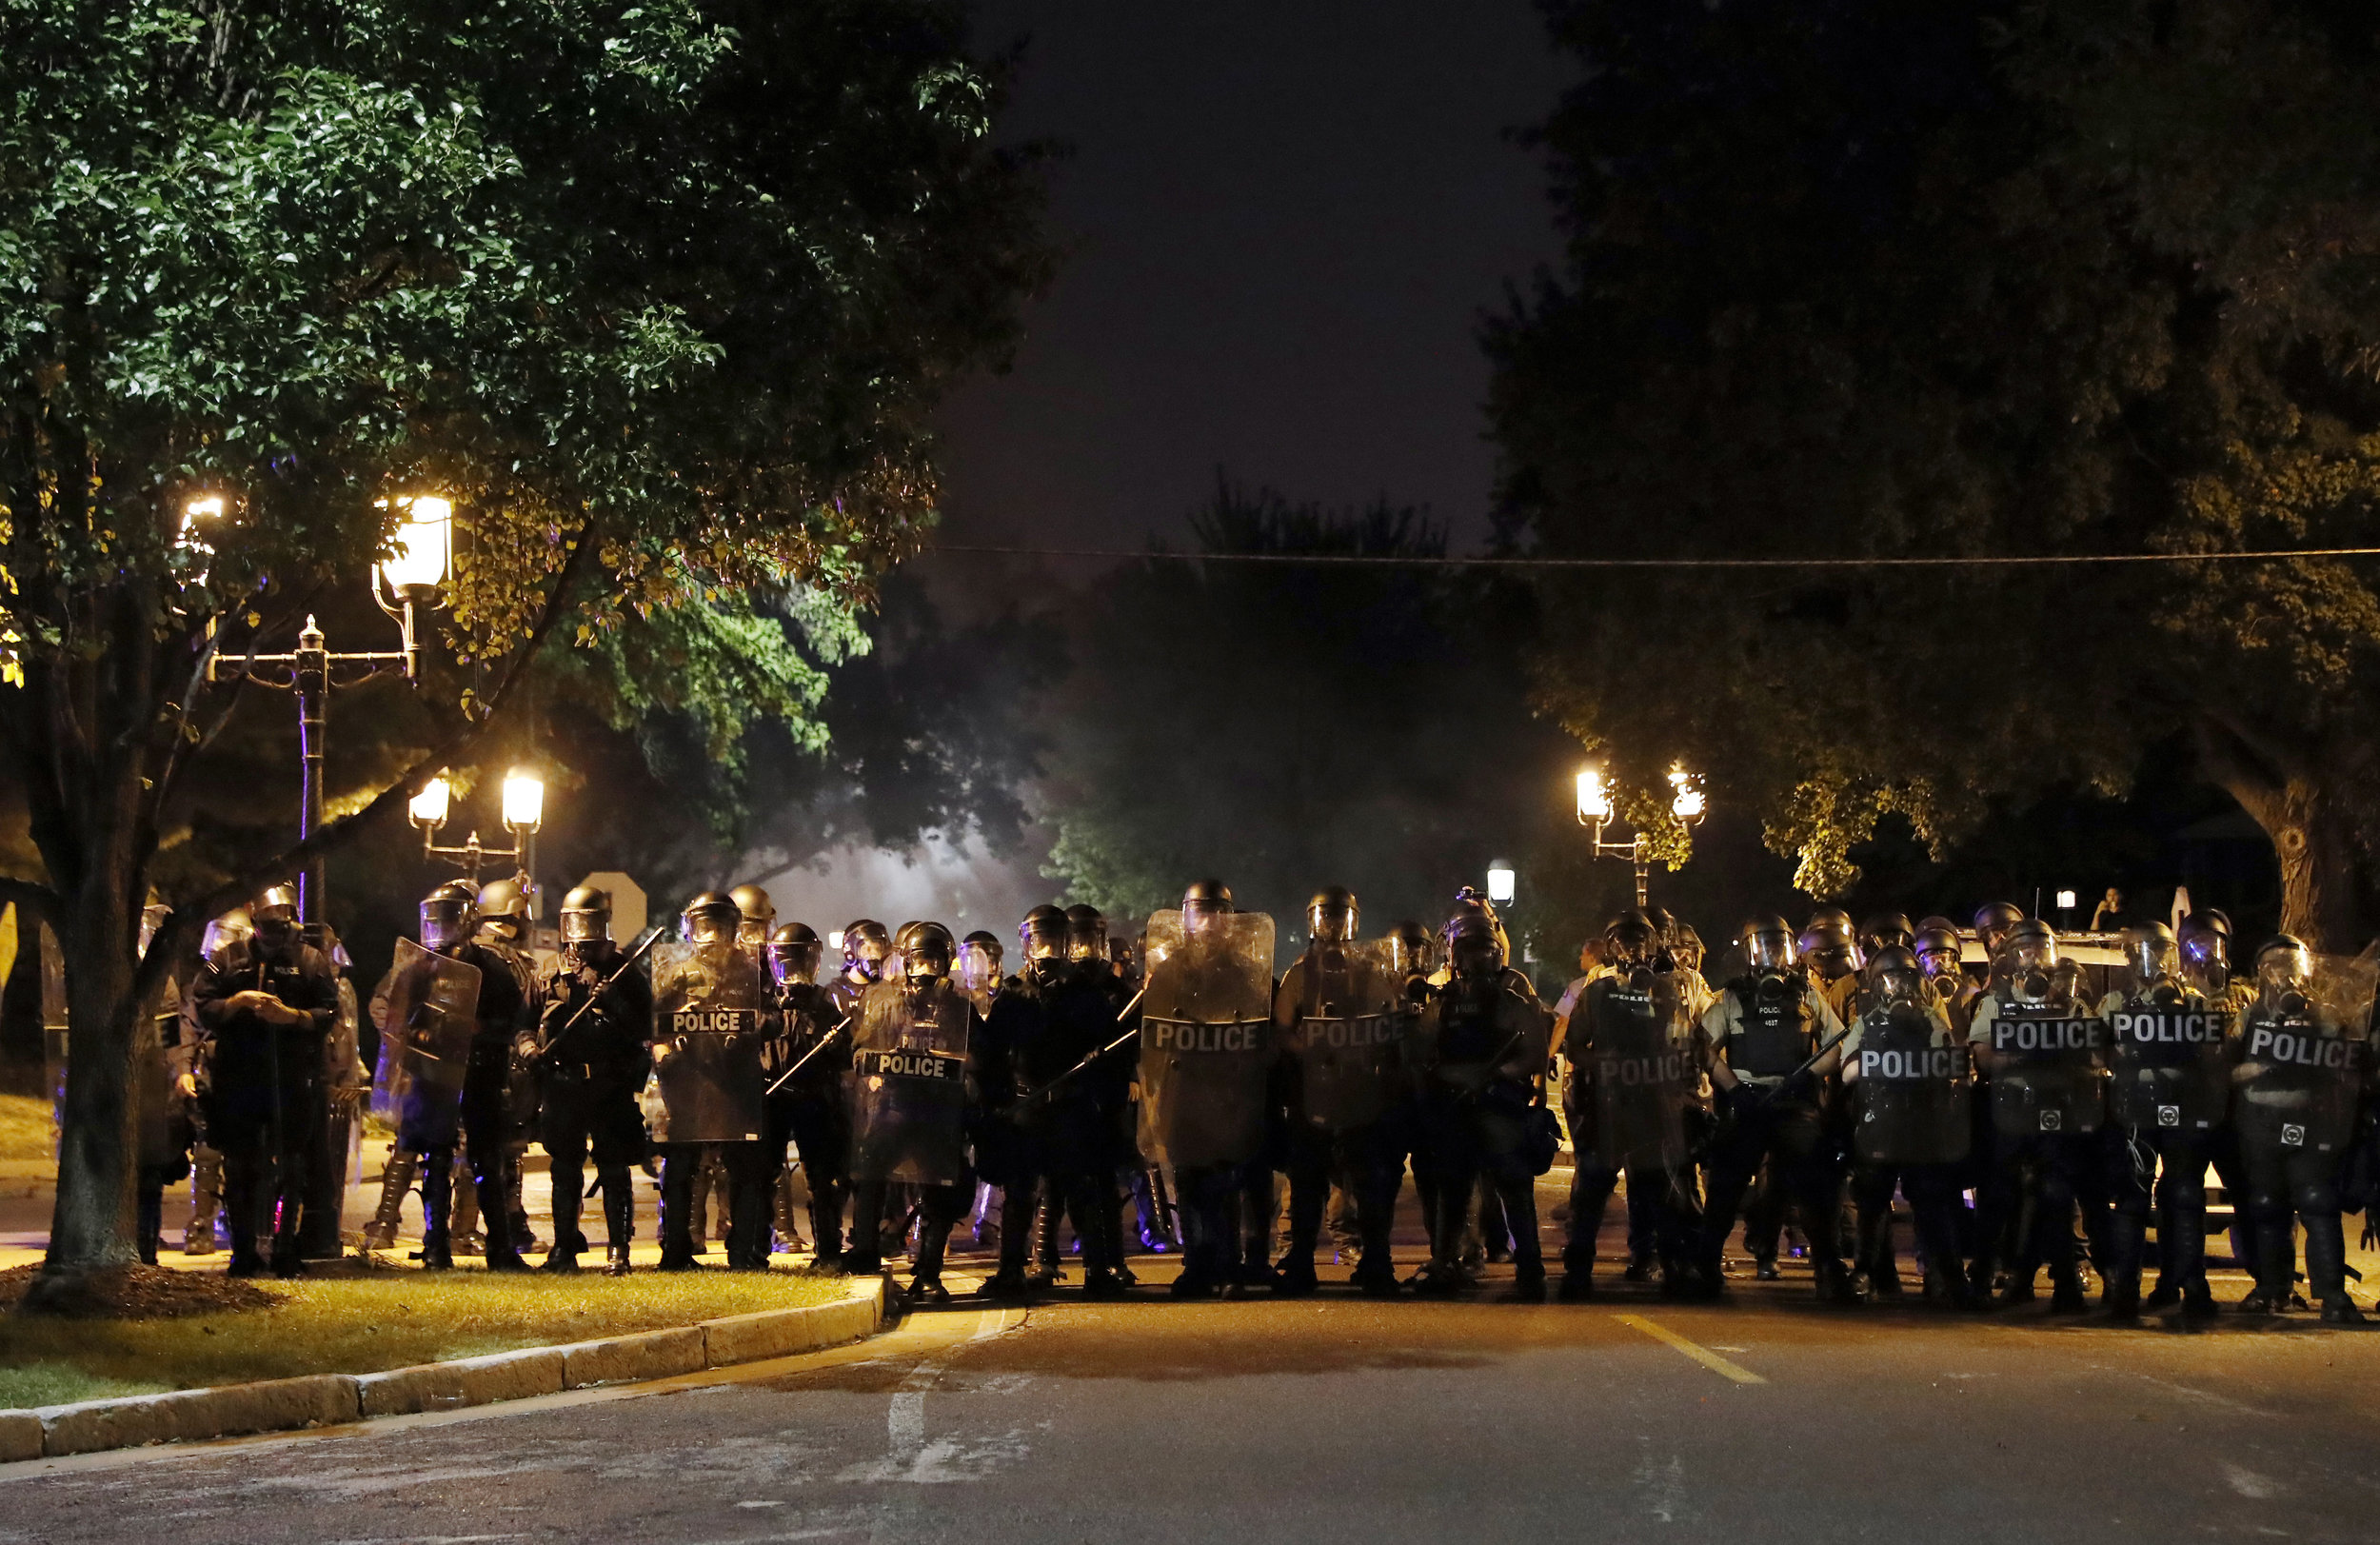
{"x":920,"y":1070}
{"x":2017,"y":1085}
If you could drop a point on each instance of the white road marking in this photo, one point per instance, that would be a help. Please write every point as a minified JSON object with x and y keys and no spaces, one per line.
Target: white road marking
{"x":2250,"y":1485}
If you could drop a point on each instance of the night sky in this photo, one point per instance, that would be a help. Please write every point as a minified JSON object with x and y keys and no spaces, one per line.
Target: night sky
{"x":1285,"y":224}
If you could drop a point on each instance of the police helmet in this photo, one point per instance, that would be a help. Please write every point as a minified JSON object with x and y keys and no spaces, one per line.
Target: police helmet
{"x":586,"y":916}
{"x":864,"y":945}
{"x":450,"y":916}
{"x":927,"y":949}
{"x":712,"y":919}
{"x":793,"y":955}
{"x":1043,"y":935}
{"x":1768,"y":943}
{"x":1086,"y":935}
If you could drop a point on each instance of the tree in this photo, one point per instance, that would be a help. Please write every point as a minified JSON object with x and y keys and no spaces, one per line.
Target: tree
{"x":660,"y":296}
{"x":1853,"y":279}
{"x":1307,"y":725}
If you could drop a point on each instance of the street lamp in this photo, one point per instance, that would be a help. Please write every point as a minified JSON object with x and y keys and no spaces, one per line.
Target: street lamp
{"x":1500,"y":882}
{"x":1596,"y":810}
{"x":416,"y":568}
{"x":523,"y":805}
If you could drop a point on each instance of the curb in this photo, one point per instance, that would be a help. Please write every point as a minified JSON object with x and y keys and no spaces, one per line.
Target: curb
{"x":332,"y":1399}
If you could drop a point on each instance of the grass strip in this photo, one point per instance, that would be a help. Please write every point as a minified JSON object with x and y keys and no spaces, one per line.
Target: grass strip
{"x":365,"y":1323}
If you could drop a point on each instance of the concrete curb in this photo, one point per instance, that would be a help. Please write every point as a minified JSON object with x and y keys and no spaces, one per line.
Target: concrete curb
{"x":329,"y":1399}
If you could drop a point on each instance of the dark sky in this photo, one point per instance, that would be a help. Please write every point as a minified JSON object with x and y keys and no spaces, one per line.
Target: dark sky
{"x":1287,"y":221}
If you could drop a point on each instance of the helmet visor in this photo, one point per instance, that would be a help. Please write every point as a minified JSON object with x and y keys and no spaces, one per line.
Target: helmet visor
{"x":445,"y":922}
{"x":1769,"y":950}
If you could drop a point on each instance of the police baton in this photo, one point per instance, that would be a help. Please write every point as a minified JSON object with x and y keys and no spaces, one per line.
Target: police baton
{"x":644,"y":942}
{"x":1051,"y":1087}
{"x":797,"y":1067}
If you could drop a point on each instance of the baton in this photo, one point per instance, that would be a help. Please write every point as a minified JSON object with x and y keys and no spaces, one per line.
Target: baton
{"x":1049,"y":1088}
{"x":806,"y":1056}
{"x":644,"y":942}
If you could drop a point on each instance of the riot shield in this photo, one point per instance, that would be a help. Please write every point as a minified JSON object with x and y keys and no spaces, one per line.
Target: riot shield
{"x":2050,"y":1070}
{"x":434,"y":1004}
{"x":2168,"y":1071}
{"x":1914,"y":1099}
{"x":909,"y":1084}
{"x":2304,"y":1060}
{"x":1349,"y":1043}
{"x":1206,"y":1041}
{"x":706,"y":1041}
{"x":1644,"y":1072}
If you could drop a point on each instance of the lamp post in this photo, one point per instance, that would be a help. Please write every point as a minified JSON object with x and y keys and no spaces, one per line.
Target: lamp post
{"x":1595,"y":810}
{"x":413,"y":573}
{"x":524,"y":812}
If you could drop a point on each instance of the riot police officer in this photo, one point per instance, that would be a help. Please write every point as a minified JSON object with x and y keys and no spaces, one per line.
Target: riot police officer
{"x":916,"y":1083}
{"x":1909,"y":1075}
{"x":2045,"y":1050}
{"x":1767,"y":1029}
{"x":1486,"y":1046}
{"x":2167,"y":1097}
{"x":2205,"y":938}
{"x":264,"y":1005}
{"x":1340,"y":1014}
{"x":811,"y":1043}
{"x":1057,"y":1070}
{"x":503,"y":929}
{"x":709,"y":1043}
{"x":1206,"y":1056}
{"x":590,"y":1049}
{"x":1633,"y":1070}
{"x":439,"y":1109}
{"x":2304,"y":1074}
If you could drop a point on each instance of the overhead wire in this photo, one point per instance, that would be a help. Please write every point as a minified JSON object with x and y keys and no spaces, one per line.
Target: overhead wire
{"x":1441,"y":560}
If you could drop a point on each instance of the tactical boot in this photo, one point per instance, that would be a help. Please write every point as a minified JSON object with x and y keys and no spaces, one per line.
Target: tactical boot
{"x":616,"y":1260}
{"x":1578,"y":1287}
{"x":198,"y":1239}
{"x":2341,"y":1310}
{"x":1008,"y":1282}
{"x":560,"y":1260}
{"x":2121,"y":1300}
{"x":1528,"y":1282}
{"x":1296,"y":1279}
{"x":926,"y":1287}
{"x":2164,"y":1295}
{"x":1765,"y":1269}
{"x":1639,"y":1270}
{"x":396,"y":1181}
{"x":1100,"y":1284}
{"x":2066,"y":1296}
{"x":2199,"y":1304}
{"x":1833,"y":1283}
{"x":1375,"y":1281}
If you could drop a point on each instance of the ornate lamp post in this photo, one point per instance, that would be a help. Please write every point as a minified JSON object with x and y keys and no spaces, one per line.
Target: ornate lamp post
{"x":424,"y":546}
{"x":1595,"y":811}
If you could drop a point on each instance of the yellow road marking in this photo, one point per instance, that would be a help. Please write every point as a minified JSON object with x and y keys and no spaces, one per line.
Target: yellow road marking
{"x":1700,"y":1353}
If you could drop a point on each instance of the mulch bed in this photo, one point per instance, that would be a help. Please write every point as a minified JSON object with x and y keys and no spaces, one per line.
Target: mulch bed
{"x":133,"y":1292}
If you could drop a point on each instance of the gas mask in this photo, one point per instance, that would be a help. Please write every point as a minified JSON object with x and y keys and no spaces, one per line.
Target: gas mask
{"x":2285,"y":977}
{"x":1770,"y":955}
{"x":2206,"y":962}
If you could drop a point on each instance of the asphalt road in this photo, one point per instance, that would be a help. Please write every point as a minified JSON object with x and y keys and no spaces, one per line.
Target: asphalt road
{"x":1626,"y":1419}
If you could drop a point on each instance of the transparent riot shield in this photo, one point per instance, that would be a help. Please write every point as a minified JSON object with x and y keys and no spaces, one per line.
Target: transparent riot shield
{"x":909,"y":1084}
{"x":2168,"y":1071}
{"x":2051,"y":1070}
{"x":1206,"y":1042}
{"x":706,"y":1041}
{"x":2305,"y":1055}
{"x":433,"y":1007}
{"x":1351,"y":1030}
{"x":1913,"y":1100}
{"x":1643,"y":1069}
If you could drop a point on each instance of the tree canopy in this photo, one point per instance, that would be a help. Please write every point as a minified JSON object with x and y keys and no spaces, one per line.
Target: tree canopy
{"x":660,"y":295}
{"x":1853,"y":279}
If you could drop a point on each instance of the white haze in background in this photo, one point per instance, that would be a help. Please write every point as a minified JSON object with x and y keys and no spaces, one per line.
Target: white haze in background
{"x":966,"y":888}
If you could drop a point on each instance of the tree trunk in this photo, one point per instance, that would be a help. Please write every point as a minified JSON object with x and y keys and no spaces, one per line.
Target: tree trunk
{"x":96,"y":1157}
{"x":2284,"y":783}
